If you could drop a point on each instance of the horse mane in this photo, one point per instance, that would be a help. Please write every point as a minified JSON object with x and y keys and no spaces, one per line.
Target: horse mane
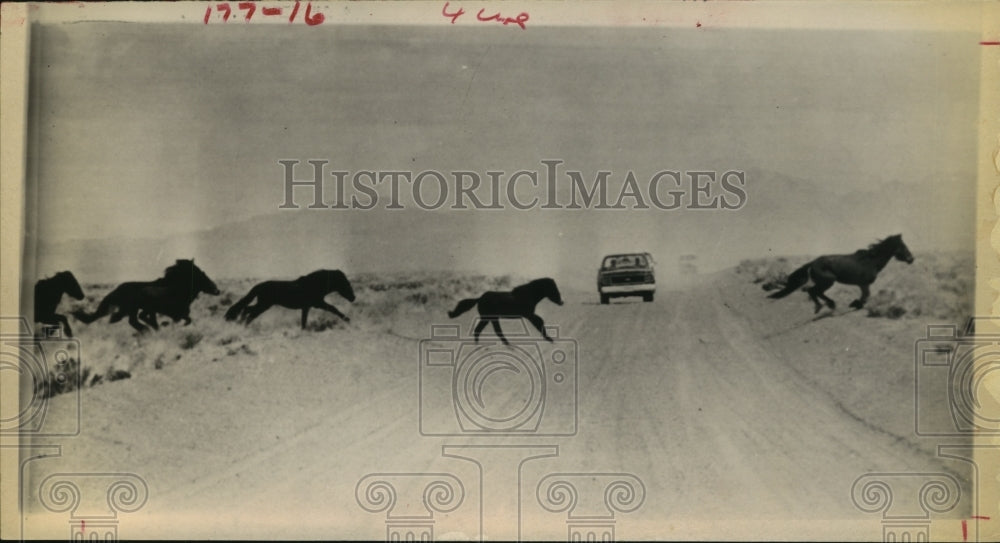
{"x":322,"y":279}
{"x":531,"y":286}
{"x":58,"y":276}
{"x":68,"y":277}
{"x":880,"y":244}
{"x":181,"y":271}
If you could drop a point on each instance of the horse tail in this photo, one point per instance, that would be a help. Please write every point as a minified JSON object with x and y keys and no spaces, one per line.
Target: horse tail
{"x":462,"y":307}
{"x":234,"y":312}
{"x":103,"y":309}
{"x":795,"y":280}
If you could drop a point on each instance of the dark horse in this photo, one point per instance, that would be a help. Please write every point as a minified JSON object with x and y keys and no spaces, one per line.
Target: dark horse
{"x":859,"y":269}
{"x":48,"y":293}
{"x":170,"y":295}
{"x":303,"y":293}
{"x":519,"y":302}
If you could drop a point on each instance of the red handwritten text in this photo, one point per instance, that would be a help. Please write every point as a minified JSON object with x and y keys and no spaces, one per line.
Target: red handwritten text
{"x":453,"y":16}
{"x":482,"y":16}
{"x":965,"y":526}
{"x":225,"y":10}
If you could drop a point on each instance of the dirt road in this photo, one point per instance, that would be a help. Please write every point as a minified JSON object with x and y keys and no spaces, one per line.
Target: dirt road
{"x":740,"y":416}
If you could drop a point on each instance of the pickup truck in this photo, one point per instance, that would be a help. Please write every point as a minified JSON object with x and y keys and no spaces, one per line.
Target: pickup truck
{"x":627,"y":274}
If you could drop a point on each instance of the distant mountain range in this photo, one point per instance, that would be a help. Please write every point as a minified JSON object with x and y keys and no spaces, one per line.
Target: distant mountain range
{"x":783,"y":215}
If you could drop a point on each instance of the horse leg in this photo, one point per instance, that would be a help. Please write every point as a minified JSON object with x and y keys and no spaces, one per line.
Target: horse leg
{"x":62,"y":320}
{"x":323,"y":305}
{"x":149,"y":318}
{"x":254,"y":311}
{"x":134,"y":321}
{"x":860,"y":302}
{"x":815,"y":299}
{"x":821,"y":282}
{"x":540,"y":324}
{"x":829,"y":303}
{"x":479,"y":328}
{"x":305,"y":315}
{"x":499,"y":332}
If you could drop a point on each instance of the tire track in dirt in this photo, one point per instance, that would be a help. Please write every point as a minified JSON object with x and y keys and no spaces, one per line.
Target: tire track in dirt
{"x":716,"y":420}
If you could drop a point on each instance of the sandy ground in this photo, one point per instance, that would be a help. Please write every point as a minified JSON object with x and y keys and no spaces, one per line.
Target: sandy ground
{"x":741,"y":416}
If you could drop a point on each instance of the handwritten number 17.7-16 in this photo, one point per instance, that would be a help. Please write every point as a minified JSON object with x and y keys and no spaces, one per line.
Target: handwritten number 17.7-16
{"x":225,"y":11}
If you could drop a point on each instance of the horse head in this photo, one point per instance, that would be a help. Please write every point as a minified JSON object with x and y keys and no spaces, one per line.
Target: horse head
{"x":327,"y":281}
{"x":552,"y":291}
{"x":901,"y":252}
{"x":184,"y":272}
{"x":339,"y":282}
{"x":70,"y":284}
{"x":538,"y":289}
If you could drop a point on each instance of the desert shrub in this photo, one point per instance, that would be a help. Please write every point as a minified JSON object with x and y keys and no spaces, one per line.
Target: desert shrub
{"x":112,"y":375}
{"x":190,"y":339}
{"x":244,"y":349}
{"x":221,"y":303}
{"x":317,"y":323}
{"x":885,"y":304}
{"x":770,"y":273}
{"x":67,"y":377}
{"x":939,"y":285}
{"x":419,"y":298}
{"x":117,"y":375}
{"x":386,"y":297}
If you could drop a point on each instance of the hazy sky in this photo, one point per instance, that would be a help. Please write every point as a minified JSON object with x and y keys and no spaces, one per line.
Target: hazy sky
{"x":150,"y":130}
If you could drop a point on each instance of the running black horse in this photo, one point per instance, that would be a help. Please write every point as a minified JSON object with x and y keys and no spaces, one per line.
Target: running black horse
{"x":519,"y":302}
{"x":860,"y":268}
{"x":170,"y":295}
{"x":303,"y":293}
{"x":48,"y":294}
